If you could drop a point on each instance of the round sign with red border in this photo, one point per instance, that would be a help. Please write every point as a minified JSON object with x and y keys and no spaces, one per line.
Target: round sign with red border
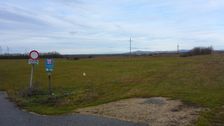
{"x":34,"y":55}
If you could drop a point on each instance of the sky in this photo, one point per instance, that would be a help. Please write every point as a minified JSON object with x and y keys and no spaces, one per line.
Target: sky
{"x":105,"y":26}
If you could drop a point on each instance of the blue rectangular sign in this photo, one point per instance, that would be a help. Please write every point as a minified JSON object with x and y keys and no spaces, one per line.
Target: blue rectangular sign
{"x":49,"y":65}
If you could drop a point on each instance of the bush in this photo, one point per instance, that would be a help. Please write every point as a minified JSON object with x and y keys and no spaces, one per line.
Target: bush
{"x":198,"y":51}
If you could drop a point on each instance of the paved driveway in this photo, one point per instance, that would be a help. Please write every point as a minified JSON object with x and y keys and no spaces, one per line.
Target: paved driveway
{"x":10,"y":115}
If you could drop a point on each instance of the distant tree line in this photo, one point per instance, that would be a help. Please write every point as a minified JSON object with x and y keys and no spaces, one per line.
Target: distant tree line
{"x":51,"y":55}
{"x":198,"y":51}
{"x":26,"y":56}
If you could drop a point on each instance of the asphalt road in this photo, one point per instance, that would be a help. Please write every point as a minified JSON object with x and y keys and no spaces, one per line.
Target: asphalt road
{"x":10,"y":115}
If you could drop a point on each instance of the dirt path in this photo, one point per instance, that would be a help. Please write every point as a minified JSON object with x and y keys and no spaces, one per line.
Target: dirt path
{"x":10,"y":115}
{"x":157,"y":111}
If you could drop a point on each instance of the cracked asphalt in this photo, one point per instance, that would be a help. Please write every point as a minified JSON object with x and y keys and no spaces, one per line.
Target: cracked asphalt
{"x":10,"y":115}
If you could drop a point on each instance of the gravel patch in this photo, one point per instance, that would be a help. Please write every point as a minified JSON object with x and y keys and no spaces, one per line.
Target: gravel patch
{"x":156,"y":111}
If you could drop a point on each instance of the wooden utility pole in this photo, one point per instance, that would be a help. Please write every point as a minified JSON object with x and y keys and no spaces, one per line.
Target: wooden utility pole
{"x":1,"y":52}
{"x":7,"y":49}
{"x":130,"y":46}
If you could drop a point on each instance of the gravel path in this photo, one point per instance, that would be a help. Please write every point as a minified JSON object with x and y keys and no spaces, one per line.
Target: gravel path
{"x":10,"y":115}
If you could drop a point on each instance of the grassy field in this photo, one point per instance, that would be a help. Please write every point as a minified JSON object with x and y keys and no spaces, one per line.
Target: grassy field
{"x":197,"y":80}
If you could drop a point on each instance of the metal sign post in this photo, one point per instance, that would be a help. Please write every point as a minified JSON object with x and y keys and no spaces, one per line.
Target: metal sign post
{"x":33,"y":59}
{"x":49,"y":83}
{"x":31,"y":77}
{"x":49,"y":65}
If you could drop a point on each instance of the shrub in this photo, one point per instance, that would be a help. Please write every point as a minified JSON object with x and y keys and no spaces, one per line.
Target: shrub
{"x":198,"y":51}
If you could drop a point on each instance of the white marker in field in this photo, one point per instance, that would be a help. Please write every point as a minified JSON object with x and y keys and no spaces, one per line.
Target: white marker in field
{"x":84,"y":74}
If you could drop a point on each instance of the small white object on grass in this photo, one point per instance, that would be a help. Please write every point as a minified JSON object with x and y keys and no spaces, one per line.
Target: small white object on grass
{"x":84,"y":74}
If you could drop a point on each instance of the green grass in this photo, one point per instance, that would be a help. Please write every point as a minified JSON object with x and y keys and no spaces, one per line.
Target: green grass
{"x":197,"y":80}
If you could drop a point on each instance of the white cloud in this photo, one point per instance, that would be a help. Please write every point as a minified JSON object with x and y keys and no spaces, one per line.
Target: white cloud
{"x":105,"y":26}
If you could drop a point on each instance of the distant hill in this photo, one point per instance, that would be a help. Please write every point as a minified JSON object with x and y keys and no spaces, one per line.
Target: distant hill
{"x":139,"y":52}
